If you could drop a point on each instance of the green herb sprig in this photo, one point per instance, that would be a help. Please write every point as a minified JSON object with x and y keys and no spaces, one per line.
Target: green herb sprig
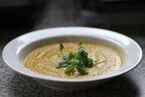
{"x":76,"y":61}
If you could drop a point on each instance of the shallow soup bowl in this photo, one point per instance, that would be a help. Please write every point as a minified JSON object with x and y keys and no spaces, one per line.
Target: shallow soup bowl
{"x":16,"y":50}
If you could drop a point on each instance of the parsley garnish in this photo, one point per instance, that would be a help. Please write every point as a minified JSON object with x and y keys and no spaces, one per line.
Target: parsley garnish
{"x":76,"y":61}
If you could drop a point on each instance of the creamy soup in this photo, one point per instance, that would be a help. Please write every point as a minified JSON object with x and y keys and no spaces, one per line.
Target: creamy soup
{"x":45,"y":59}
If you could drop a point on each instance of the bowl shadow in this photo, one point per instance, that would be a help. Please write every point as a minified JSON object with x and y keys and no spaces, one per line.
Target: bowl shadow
{"x":121,"y":86}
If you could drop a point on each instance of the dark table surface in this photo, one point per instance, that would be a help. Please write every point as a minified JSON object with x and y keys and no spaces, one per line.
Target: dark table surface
{"x":65,"y":13}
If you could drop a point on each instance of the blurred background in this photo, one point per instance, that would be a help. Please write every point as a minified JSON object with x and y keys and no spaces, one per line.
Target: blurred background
{"x":22,"y":16}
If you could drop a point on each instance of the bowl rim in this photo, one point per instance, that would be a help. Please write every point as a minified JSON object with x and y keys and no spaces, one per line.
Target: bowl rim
{"x":56,"y":79}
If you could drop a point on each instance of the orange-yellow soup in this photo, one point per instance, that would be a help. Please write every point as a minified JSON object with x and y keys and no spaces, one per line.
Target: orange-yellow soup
{"x":45,"y":59}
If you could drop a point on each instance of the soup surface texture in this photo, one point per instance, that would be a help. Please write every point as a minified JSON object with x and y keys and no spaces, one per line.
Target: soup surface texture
{"x":45,"y":59}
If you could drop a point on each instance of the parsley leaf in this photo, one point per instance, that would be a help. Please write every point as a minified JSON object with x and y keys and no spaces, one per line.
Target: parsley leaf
{"x":82,"y":70}
{"x":70,"y":69}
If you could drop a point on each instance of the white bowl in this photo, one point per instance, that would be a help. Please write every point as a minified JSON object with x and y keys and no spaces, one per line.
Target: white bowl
{"x":15,"y":51}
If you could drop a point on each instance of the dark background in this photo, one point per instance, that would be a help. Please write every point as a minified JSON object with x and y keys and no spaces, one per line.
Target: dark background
{"x":22,"y":16}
